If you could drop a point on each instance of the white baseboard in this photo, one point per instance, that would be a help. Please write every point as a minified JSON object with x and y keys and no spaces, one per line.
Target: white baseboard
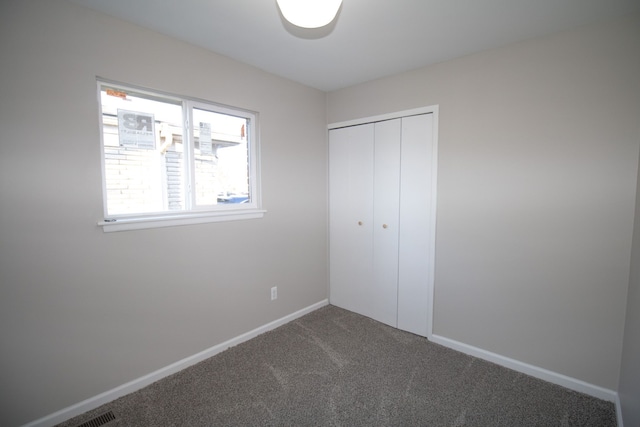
{"x":137,"y":384}
{"x":534,"y":371}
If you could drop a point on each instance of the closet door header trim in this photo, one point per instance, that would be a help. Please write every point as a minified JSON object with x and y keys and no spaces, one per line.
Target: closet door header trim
{"x":431,"y":109}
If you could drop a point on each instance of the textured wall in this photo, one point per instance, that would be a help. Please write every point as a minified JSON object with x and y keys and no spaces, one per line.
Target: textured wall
{"x":82,"y":311}
{"x":538,"y":149}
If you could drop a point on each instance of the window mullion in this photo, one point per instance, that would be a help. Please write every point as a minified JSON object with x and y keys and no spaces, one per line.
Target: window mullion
{"x":189,"y":155}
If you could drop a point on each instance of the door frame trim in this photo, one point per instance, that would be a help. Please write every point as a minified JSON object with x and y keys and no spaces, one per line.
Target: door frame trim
{"x":430,"y":109}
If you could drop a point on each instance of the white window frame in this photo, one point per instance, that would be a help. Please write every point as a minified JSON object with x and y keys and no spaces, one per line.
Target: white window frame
{"x":192,"y":214}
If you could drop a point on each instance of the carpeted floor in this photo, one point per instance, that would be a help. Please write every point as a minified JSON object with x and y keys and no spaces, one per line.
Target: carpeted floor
{"x":336,"y":368}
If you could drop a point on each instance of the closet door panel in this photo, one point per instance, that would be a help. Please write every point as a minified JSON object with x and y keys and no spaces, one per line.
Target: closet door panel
{"x":351,"y":217}
{"x":386,"y":199}
{"x":415,"y":217}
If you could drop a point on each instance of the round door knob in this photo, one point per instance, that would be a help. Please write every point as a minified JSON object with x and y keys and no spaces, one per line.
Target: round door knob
{"x":385,"y":226}
{"x":359,"y":222}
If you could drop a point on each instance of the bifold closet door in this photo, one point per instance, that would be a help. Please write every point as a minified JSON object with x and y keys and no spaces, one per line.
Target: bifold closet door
{"x":386,"y":221}
{"x":351,"y":163}
{"x":364,"y":219}
{"x":380,"y":235}
{"x":416,"y":209}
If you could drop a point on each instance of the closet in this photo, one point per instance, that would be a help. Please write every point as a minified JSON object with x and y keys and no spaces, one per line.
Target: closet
{"x":381,"y":219}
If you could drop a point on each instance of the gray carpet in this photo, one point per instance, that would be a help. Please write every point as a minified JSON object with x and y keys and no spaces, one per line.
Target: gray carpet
{"x":336,"y":368}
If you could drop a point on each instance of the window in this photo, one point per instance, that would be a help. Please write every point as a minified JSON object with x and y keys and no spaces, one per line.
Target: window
{"x":168,"y":160}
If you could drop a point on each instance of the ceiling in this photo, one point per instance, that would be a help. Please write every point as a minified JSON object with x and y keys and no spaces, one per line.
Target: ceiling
{"x":369,"y":39}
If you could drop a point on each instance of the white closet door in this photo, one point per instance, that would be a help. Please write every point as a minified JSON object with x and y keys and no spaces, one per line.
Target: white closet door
{"x":351,"y":217}
{"x":386,"y":200}
{"x":415,"y":252}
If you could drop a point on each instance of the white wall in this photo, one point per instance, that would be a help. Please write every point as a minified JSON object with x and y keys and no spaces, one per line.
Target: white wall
{"x":630,"y":372}
{"x":538,"y":155}
{"x":82,"y":311}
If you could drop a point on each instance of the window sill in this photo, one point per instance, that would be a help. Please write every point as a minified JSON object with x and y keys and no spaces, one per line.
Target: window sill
{"x":125,"y":224}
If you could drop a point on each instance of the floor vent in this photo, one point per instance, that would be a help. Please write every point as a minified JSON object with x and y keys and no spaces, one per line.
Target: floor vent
{"x":98,"y":421}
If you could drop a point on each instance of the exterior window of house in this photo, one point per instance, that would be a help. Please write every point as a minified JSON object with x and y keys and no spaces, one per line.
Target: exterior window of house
{"x":169,"y":160}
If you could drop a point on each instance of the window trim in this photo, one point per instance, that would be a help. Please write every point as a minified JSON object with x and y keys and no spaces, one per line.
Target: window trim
{"x":196,"y":214}
{"x":188,"y":218}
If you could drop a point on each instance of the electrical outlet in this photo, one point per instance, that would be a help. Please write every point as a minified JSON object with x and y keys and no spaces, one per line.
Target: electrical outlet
{"x":274,"y":293}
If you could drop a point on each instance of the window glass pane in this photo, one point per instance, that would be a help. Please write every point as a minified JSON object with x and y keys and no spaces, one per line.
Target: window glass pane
{"x":221,"y":159}
{"x":143,"y":152}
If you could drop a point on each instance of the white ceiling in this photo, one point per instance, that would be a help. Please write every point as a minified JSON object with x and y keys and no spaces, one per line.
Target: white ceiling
{"x":368,"y":40}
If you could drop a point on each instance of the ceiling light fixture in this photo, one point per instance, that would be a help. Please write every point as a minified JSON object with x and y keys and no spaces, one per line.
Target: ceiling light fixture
{"x":309,"y":13}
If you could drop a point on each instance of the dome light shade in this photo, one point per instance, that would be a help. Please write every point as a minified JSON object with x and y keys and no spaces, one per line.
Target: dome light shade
{"x":309,"y":13}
